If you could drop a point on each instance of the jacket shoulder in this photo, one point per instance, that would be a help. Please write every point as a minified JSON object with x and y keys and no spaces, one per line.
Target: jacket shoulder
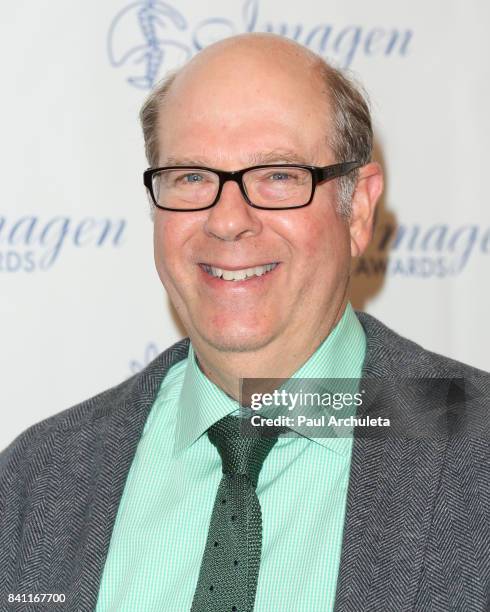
{"x":388,"y":353}
{"x":97,"y":408}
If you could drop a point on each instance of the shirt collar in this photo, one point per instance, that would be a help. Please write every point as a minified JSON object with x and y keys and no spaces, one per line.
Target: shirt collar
{"x":201,"y":403}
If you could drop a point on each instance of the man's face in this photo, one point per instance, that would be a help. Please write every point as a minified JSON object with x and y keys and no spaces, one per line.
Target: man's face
{"x":224,"y":118}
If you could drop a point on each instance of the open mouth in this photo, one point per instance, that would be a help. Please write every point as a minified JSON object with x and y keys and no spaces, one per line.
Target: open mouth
{"x":239,"y":275}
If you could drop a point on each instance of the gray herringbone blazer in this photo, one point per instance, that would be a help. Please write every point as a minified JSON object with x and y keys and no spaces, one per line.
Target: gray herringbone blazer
{"x":417,"y":530}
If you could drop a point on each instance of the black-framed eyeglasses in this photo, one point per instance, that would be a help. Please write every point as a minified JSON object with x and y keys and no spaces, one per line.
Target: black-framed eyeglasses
{"x":277,"y":187}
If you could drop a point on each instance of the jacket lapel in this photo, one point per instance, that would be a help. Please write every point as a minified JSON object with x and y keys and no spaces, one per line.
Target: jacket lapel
{"x":391,"y":494}
{"x":118,"y":433}
{"x":392,"y":488}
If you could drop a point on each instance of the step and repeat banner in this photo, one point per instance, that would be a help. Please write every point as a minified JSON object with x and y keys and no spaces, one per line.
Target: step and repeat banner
{"x":81,"y":305}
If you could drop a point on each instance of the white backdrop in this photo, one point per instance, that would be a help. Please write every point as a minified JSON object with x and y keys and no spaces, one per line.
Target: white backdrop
{"x":81,"y":305}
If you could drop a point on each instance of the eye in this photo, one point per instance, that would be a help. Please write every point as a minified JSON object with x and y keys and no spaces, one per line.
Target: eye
{"x":280,"y":176}
{"x":194,"y":177}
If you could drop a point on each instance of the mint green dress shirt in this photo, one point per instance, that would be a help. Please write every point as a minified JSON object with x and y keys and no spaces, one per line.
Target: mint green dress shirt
{"x":162,"y":522}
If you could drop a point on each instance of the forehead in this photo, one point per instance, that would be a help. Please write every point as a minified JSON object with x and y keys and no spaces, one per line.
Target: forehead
{"x":243,"y":105}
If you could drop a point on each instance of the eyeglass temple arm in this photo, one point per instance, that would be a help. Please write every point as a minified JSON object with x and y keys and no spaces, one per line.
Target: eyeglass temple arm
{"x":147,"y":177}
{"x":330,"y":172}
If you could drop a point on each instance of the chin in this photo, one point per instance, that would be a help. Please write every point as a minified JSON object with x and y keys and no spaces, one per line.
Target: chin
{"x":234,"y":341}
{"x":233,"y":331}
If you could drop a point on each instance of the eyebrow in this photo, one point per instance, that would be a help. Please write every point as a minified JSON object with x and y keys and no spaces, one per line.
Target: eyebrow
{"x":275,"y":156}
{"x":287,"y":156}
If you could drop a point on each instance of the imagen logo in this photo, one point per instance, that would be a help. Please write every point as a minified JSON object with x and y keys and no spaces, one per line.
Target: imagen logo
{"x":151,"y":37}
{"x":31,"y":243}
{"x":439,"y":250}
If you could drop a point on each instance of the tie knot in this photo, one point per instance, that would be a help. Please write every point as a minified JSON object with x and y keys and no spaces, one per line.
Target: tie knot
{"x":241,"y":454}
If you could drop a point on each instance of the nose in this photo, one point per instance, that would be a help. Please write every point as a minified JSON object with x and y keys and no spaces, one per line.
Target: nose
{"x":231,"y":218}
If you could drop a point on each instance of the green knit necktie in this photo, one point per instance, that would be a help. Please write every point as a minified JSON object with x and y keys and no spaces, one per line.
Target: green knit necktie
{"x":230,"y":565}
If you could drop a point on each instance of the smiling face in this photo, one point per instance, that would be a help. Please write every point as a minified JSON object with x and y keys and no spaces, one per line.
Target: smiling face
{"x":235,"y":106}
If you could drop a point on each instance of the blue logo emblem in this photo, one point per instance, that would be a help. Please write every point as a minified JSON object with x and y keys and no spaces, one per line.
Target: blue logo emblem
{"x":156,"y":43}
{"x":151,"y":352}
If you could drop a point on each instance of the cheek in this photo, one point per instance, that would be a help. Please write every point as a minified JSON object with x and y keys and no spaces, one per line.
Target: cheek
{"x":323,"y":241}
{"x":170,"y":237}
{"x":160,"y":246}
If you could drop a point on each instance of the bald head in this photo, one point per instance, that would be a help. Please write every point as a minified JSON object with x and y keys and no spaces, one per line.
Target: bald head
{"x":257,"y":51}
{"x":242,"y":68}
{"x":258,"y":42}
{"x":239,"y":78}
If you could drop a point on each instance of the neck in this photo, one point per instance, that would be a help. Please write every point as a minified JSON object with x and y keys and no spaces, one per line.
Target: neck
{"x":280,"y":358}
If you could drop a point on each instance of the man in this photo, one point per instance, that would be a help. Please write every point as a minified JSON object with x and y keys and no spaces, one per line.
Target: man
{"x":121,"y":502}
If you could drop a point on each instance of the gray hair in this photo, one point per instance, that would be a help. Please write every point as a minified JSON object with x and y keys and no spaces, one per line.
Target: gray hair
{"x":352,"y":135}
{"x":351,"y":140}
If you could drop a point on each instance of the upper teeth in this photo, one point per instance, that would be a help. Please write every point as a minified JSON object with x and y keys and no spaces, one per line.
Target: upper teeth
{"x":236,"y":275}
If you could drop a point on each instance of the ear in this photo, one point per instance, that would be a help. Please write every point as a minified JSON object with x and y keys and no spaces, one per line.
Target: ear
{"x":368,"y":190}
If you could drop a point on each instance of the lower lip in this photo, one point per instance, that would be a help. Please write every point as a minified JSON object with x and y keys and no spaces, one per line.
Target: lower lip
{"x":249,"y":283}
